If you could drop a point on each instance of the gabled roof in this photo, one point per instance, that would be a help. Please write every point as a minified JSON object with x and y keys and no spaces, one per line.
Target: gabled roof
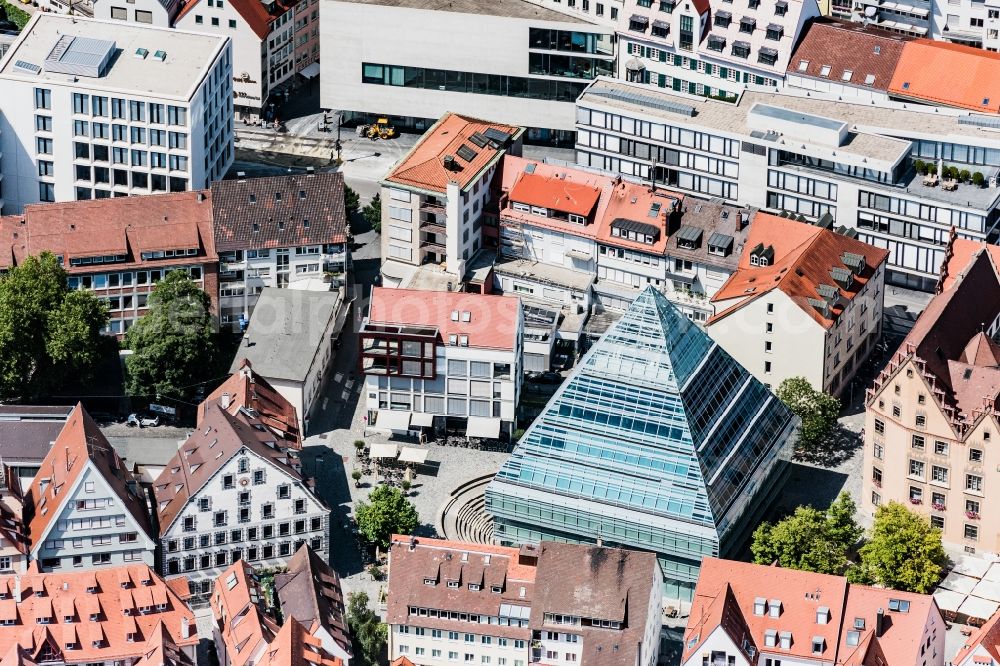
{"x":986,"y":638}
{"x":556,"y":194}
{"x":492,"y":319}
{"x":79,"y":441}
{"x":973,"y":75}
{"x":17,"y":656}
{"x":867,"y":53}
{"x":125,"y":599}
{"x":294,"y":646}
{"x":806,"y":262}
{"x":280,"y":211}
{"x":246,"y":389}
{"x":310,"y":592}
{"x":423,"y":167}
{"x":254,"y":12}
{"x":239,"y":612}
{"x":162,"y":650}
{"x":218,"y":438}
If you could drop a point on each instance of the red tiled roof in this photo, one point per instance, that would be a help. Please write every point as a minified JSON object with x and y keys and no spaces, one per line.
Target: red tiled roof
{"x":803,"y":258}
{"x":492,"y":324}
{"x":845,"y":46}
{"x":423,"y":167}
{"x":973,"y":75}
{"x":162,"y":650}
{"x":555,"y":193}
{"x":247,"y":389}
{"x":219,"y":436}
{"x":238,"y":608}
{"x":294,"y":646}
{"x":253,"y":12}
{"x":986,"y":637}
{"x":70,"y":590}
{"x":79,"y":441}
{"x":310,"y":592}
{"x":900,"y":642}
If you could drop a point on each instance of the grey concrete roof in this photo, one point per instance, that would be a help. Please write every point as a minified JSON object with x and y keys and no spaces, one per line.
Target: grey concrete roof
{"x":285,"y":330}
{"x":509,"y":8}
{"x":186,"y":61}
{"x":146,"y":451}
{"x":556,"y":275}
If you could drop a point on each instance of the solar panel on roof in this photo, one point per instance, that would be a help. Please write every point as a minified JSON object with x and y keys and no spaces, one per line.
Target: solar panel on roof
{"x":980,"y":121}
{"x":644,"y":100}
{"x":478,"y":140}
{"x":29,"y":67}
{"x":493,"y":134}
{"x":466,"y":153}
{"x":530,"y":168}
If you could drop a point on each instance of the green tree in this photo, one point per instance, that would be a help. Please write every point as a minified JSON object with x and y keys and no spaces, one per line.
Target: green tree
{"x":173,"y":345}
{"x":369,"y":633}
{"x":47,"y":332}
{"x":386,"y":513}
{"x":809,"y":539}
{"x":903,"y":552}
{"x":372,"y":213}
{"x":352,"y":202}
{"x":978,"y":179}
{"x":817,"y":410}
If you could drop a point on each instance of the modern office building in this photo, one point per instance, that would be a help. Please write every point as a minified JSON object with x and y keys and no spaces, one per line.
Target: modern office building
{"x":233,"y":494}
{"x":125,"y":614}
{"x":84,"y":507}
{"x":275,"y":231}
{"x":714,"y":48}
{"x":805,"y":302}
{"x":515,"y":62}
{"x":659,"y":440}
{"x":932,"y":414}
{"x":95,"y":109}
{"x":808,"y":157}
{"x":271,"y":41}
{"x":745,"y":614}
{"x":442,"y":361}
{"x":119,"y":248}
{"x":437,"y":199}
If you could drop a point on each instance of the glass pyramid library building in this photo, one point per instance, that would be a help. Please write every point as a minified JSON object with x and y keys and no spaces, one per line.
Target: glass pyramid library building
{"x":659,"y":441}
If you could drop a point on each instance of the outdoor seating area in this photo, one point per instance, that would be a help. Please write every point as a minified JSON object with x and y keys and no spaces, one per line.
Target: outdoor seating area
{"x":389,"y":462}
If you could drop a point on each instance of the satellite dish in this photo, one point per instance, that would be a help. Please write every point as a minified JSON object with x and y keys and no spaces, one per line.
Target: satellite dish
{"x":870,"y":11}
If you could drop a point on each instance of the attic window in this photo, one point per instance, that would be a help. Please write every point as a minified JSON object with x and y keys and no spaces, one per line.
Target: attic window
{"x":877,"y":50}
{"x":846,"y":76}
{"x":824,"y":71}
{"x":786,"y":640}
{"x":818,"y":644}
{"x":430,"y":581}
{"x":253,"y":198}
{"x":277,"y":196}
{"x":453,"y":584}
{"x":496,"y":589}
{"x":853,"y":638}
{"x":803,"y":65}
{"x":466,"y":316}
{"x":900,"y":605}
{"x":302,"y":194}
{"x":986,"y":101}
{"x":770,"y":638}
{"x":454,"y":315}
{"x":859,"y":623}
{"x":822,"y":615}
{"x":305,"y":223}
{"x":870,"y":79}
{"x":256,"y":227}
{"x":759,"y":606}
{"x":774,"y":608}
{"x":906,"y":85}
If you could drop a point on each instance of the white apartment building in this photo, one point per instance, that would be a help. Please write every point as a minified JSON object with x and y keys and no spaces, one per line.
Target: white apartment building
{"x":271,"y":41}
{"x":805,"y":302}
{"x":514,"y":62}
{"x":436,"y":200}
{"x":275,"y":232}
{"x":437,"y":362}
{"x":96,"y":109}
{"x":710,"y":47}
{"x":84,"y":509}
{"x":806,"y":157}
{"x":231,"y":493}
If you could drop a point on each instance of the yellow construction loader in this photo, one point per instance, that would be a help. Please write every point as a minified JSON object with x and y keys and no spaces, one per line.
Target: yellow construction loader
{"x":380,"y":130}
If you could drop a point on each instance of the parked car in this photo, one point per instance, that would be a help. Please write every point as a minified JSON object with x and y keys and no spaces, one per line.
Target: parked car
{"x":546,"y":378}
{"x":142,"y":420}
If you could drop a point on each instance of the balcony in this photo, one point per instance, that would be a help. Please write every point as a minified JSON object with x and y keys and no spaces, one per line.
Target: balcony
{"x":432,"y":207}
{"x":433,"y":226}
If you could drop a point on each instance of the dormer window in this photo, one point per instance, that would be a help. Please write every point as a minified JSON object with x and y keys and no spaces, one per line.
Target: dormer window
{"x":822,"y":615}
{"x":760,"y":606}
{"x":774,"y":608}
{"x":474,"y":587}
{"x":770,"y":638}
{"x":785,"y":638}
{"x":577,"y":219}
{"x":453,"y":584}
{"x":818,"y":645}
{"x":430,"y":581}
{"x":496,"y":589}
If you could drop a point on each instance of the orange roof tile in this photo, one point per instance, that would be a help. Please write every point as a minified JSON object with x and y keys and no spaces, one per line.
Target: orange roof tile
{"x":79,"y":441}
{"x":803,"y":258}
{"x":246,"y":388}
{"x":255,"y":13}
{"x":555,"y":193}
{"x":101,"y":595}
{"x":294,"y":646}
{"x":238,"y":608}
{"x":986,"y":637}
{"x":423,"y":167}
{"x":492,"y":320}
{"x":973,"y":75}
{"x":900,"y":642}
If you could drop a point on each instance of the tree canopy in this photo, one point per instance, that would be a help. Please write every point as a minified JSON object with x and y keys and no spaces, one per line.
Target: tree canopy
{"x":47,"y":332}
{"x":173,"y":345}
{"x":370,"y":634}
{"x":386,"y":513}
{"x":810,"y":539}
{"x":818,"y":410}
{"x":903,"y":552}
{"x":372,"y":213}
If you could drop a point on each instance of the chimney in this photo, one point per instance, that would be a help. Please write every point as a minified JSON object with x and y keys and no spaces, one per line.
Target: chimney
{"x":310,"y":171}
{"x":225,"y":401}
{"x":879,"y":623}
{"x":201,"y":197}
{"x":185,"y":627}
{"x":241,"y":176}
{"x":413,"y":542}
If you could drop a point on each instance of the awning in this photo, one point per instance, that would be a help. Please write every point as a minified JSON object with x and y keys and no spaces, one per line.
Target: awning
{"x":310,"y":71}
{"x":635,"y":65}
{"x":579,"y":254}
{"x":393,"y":420}
{"x":421,"y":419}
{"x":479,"y":426}
{"x":662,"y":25}
{"x":948,"y":600}
{"x":384,"y":451}
{"x":413,"y":455}
{"x":639,"y":20}
{"x":975,"y":607}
